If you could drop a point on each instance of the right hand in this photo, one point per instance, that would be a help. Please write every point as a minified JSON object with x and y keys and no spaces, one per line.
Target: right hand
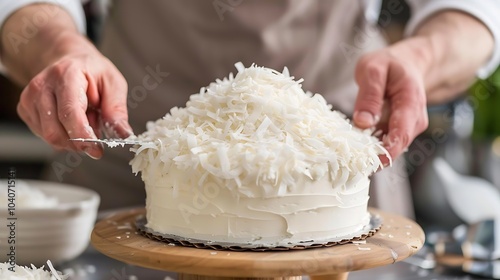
{"x":77,"y":96}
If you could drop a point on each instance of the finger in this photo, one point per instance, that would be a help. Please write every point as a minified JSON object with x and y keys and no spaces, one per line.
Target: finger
{"x":398,"y":137}
{"x":407,"y":120}
{"x":27,"y":110}
{"x":72,"y":104}
{"x":94,"y":121}
{"x":371,"y":77}
{"x":52,"y":130}
{"x":114,"y":105}
{"x":30,"y":118}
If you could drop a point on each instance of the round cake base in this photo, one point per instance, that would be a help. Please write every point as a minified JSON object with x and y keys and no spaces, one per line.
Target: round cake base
{"x":398,"y":239}
{"x":365,"y":232}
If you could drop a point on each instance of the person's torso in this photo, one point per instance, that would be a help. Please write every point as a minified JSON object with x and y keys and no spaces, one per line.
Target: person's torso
{"x":199,"y":41}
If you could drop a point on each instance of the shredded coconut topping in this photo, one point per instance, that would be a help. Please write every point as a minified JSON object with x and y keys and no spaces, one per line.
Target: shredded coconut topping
{"x":256,"y":129}
{"x":29,"y":273}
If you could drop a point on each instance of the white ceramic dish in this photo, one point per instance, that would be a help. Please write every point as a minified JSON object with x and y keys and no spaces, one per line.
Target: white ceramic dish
{"x":59,"y":233}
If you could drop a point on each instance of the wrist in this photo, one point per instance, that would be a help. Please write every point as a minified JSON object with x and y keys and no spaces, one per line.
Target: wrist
{"x":63,"y":44}
{"x":25,"y":55}
{"x":459,"y":45}
{"x":419,"y":52}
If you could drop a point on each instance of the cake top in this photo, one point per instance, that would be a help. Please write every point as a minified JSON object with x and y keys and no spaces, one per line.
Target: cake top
{"x":258,"y":128}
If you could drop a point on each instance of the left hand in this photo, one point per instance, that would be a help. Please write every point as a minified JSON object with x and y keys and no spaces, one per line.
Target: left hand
{"x":392,"y":95}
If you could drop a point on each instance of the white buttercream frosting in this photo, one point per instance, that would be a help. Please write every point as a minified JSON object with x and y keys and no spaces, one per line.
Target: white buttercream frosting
{"x":254,"y":158}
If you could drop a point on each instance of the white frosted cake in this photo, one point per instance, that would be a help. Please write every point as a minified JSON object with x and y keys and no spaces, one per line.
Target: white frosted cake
{"x":253,"y":159}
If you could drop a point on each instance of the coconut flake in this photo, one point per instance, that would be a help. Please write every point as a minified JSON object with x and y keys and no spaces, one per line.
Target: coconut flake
{"x":30,"y":273}
{"x":257,"y":127}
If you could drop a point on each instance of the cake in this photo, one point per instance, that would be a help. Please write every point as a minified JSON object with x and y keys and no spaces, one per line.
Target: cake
{"x":254,"y":159}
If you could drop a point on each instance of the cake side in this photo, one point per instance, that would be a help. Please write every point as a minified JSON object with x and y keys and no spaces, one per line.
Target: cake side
{"x":310,"y":210}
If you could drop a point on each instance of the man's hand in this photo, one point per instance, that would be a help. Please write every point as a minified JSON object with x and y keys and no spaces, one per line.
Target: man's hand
{"x":391,"y":96}
{"x":72,"y":90}
{"x":436,"y":65}
{"x":73,"y":98}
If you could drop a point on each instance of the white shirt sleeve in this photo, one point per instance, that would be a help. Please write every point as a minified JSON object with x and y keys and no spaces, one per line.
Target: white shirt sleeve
{"x":73,"y":7}
{"x":487,"y":11}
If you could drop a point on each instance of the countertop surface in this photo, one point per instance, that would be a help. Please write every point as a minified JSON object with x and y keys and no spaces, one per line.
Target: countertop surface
{"x":96,"y":266}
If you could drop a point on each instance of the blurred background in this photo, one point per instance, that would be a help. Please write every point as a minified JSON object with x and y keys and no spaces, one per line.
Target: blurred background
{"x":465,"y":133}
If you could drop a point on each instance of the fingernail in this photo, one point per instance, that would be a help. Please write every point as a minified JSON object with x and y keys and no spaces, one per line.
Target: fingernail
{"x":91,"y":156}
{"x":88,"y":152}
{"x":386,"y":161}
{"x":391,"y":140}
{"x":364,"y":118}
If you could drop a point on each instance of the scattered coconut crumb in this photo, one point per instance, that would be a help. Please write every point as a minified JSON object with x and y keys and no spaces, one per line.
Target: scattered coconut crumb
{"x":394,"y":255}
{"x":408,"y":233}
{"x":91,"y":269}
{"x":391,"y":236}
{"x":213,"y":253}
{"x":364,"y":248}
{"x":124,"y":227}
{"x":408,"y":226}
{"x":30,"y":273}
{"x":171,"y":244}
{"x":118,"y":237}
{"x":81,"y":273}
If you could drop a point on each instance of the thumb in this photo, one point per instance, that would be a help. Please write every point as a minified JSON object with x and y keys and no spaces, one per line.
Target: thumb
{"x":371,"y":77}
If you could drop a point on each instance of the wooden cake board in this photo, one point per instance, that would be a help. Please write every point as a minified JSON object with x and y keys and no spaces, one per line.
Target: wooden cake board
{"x":117,"y":238}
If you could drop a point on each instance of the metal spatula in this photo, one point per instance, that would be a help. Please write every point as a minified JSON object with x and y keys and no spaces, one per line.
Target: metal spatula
{"x":113,"y":142}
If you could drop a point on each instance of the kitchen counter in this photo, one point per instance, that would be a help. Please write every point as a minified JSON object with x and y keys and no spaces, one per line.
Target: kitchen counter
{"x":96,"y":266}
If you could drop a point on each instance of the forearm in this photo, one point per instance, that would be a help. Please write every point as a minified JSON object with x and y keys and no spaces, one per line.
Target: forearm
{"x":455,"y":45}
{"x":25,"y":55}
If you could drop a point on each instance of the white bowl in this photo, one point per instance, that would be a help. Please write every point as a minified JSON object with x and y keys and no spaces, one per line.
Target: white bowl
{"x":59,"y":233}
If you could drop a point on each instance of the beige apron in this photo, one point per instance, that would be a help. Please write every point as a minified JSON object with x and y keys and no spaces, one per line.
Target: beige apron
{"x":199,"y":41}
